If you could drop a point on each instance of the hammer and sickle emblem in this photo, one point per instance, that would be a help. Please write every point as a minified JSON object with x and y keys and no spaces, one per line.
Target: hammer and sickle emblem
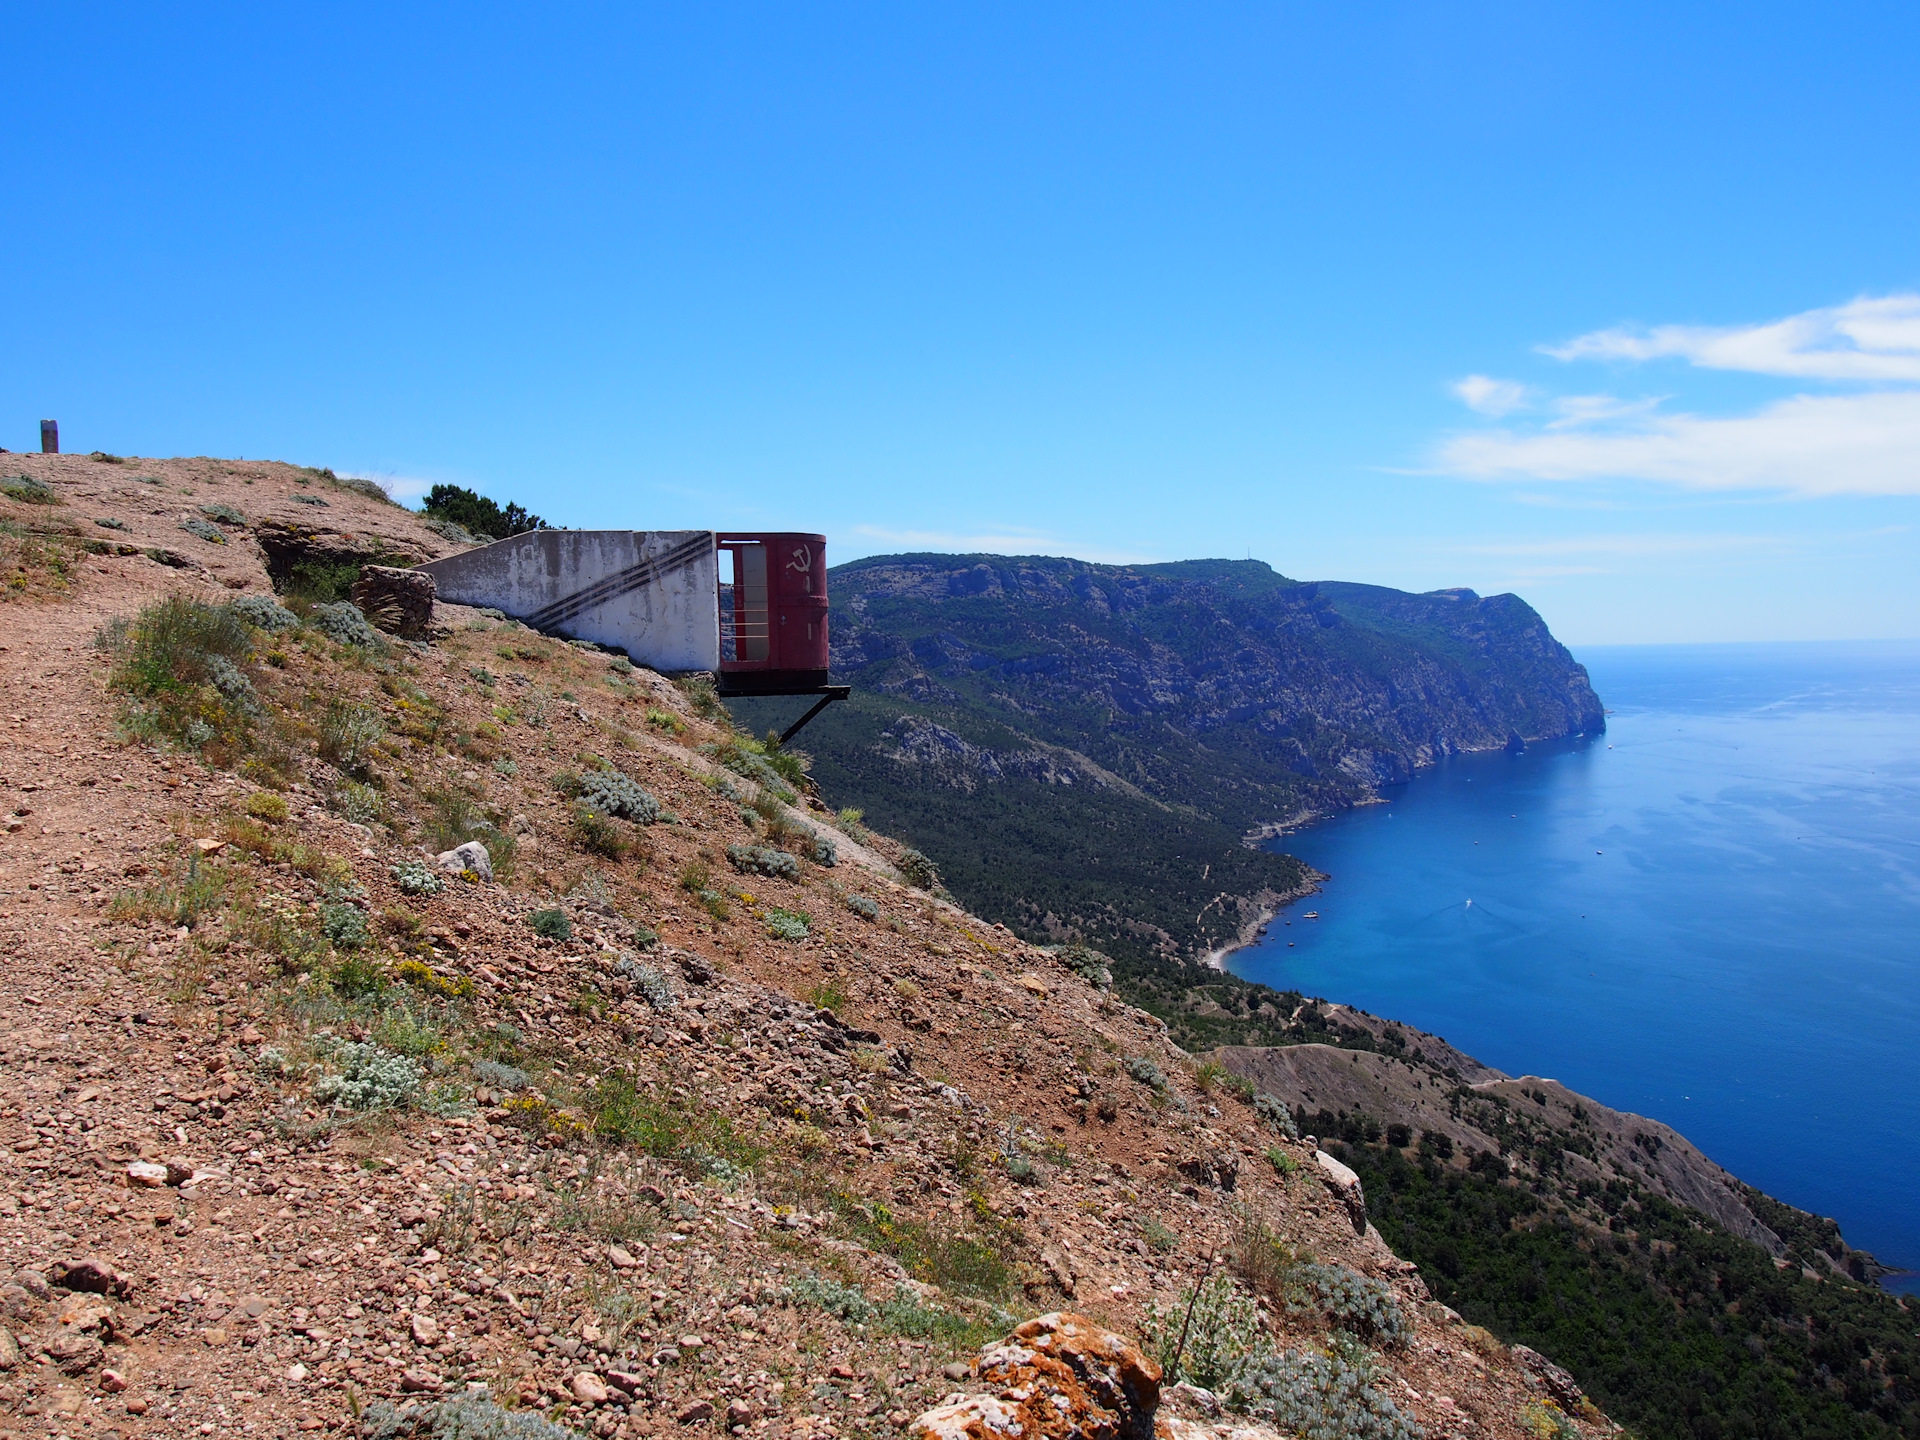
{"x":802,"y":559}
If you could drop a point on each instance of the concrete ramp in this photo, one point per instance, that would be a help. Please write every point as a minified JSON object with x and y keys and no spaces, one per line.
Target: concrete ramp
{"x":653,"y":593}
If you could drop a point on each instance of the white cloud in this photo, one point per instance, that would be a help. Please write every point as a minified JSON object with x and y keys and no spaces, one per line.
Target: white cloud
{"x":1489,"y":396}
{"x":1592,"y":409}
{"x":1862,"y":443}
{"x":1806,"y":446}
{"x":1866,"y":339}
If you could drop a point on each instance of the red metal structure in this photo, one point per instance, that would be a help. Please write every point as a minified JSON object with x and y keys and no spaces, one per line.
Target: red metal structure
{"x":773,"y":619}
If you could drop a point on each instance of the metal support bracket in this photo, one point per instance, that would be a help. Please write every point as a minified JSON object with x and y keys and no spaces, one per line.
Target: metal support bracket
{"x":827,"y":697}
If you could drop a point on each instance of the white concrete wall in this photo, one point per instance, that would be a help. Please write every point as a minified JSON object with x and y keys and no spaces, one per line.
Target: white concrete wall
{"x":548,"y":579}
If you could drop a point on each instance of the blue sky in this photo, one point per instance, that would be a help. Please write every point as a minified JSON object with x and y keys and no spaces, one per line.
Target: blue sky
{"x":1422,"y":295}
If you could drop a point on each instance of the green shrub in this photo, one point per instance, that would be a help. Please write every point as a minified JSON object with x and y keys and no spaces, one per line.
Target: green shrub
{"x":225,"y":514}
{"x":196,"y":890}
{"x":358,"y":977}
{"x":1089,"y":964}
{"x":935,"y":1254}
{"x":477,"y":514}
{"x":788,"y":765}
{"x":1158,"y":1237}
{"x":348,"y":732}
{"x":27,"y":490}
{"x":182,"y":663}
{"x":689,"y":1132}
{"x":1223,"y":1330}
{"x":107,"y":522}
{"x":594,"y":832}
{"x":828,"y":995}
{"x":863,"y":907}
{"x":265,"y":805}
{"x":825,"y":852}
{"x":920,"y":872}
{"x":744,"y":757}
{"x":551,"y":924}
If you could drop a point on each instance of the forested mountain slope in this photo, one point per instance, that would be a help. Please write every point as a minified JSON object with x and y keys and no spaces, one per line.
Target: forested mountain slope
{"x":1082,"y":748}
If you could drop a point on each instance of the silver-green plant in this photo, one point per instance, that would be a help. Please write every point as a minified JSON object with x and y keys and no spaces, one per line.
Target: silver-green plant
{"x":345,"y":925}
{"x":1277,"y":1115}
{"x":362,"y":804}
{"x":1146,"y":1072}
{"x":263,"y":612}
{"x":466,"y":1417}
{"x":201,"y":530}
{"x":760,"y":860}
{"x":1318,"y":1395}
{"x":1353,"y":1302}
{"x":342,"y":621}
{"x":367,"y":1077}
{"x":653,"y":986}
{"x":611,"y":793}
{"x":416,"y":877}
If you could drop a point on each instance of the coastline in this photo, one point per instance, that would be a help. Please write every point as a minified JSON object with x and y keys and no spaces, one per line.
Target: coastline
{"x":1268,"y":905}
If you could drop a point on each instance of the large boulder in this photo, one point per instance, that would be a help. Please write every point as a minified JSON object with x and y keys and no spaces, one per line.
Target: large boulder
{"x":1345,"y":1185}
{"x":471,"y":856}
{"x":1545,"y":1376}
{"x":1060,"y":1376}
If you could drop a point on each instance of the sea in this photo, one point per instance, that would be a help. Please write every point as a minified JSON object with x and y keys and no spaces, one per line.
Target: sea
{"x":1709,"y":915}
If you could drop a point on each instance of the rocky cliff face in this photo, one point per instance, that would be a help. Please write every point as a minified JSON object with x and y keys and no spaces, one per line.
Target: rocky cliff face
{"x":1318,"y":692}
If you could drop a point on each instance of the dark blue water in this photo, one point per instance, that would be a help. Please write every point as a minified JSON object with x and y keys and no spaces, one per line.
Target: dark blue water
{"x":1711,"y":915}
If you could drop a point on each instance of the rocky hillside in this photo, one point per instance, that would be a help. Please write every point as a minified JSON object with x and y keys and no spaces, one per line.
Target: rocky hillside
{"x":1083,"y":748}
{"x":471,"y":1034}
{"x":1685,"y":1301}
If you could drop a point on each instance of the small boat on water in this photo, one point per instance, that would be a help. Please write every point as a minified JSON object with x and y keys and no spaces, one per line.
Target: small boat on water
{"x":1312,"y":915}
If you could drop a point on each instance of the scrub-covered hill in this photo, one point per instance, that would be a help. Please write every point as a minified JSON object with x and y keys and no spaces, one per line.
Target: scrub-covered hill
{"x":473,"y":1034}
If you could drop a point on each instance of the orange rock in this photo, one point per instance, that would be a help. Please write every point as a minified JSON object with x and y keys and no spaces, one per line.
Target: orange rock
{"x":1059,"y":1376}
